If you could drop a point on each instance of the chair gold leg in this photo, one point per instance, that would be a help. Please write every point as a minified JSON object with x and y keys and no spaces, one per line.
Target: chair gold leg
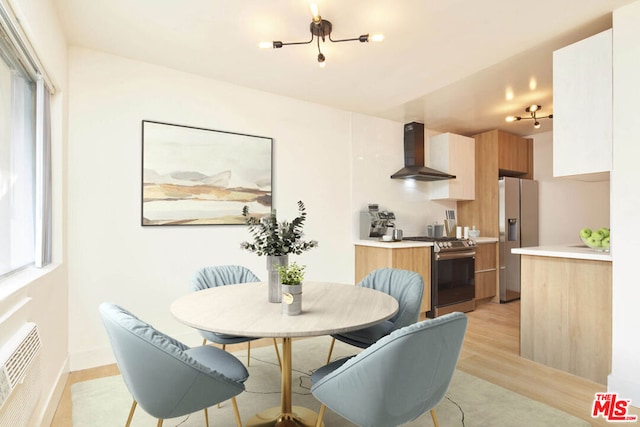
{"x":275,"y":344}
{"x":235,"y":410}
{"x":224,"y":347}
{"x":131,"y":411}
{"x":206,"y":416}
{"x":333,"y":341}
{"x":160,"y":422}
{"x":248,"y":353}
{"x":204,"y":341}
{"x":435,"y":418}
{"x":320,"y":416}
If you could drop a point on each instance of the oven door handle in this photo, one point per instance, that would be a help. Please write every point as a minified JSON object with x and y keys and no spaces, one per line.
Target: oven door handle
{"x":440,"y":256}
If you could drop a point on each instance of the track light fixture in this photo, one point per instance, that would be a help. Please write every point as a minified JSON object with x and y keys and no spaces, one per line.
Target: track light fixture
{"x":321,"y":29}
{"x":532,"y":110}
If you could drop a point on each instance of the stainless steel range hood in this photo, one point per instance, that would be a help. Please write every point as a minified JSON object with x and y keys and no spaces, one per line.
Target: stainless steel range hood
{"x":414,"y":167}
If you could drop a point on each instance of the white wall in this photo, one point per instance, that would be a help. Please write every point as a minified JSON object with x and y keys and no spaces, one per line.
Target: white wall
{"x":565,"y":205}
{"x":625,"y":199}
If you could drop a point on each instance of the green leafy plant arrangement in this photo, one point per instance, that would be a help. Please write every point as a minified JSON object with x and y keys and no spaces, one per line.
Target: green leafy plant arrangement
{"x":274,"y":238}
{"x":291,"y":275}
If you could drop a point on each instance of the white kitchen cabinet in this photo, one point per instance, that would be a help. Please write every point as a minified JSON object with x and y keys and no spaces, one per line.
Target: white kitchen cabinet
{"x":454,"y":154}
{"x":583,"y":108}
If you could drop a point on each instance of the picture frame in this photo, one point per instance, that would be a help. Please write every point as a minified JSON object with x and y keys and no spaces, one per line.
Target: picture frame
{"x":198,"y":176}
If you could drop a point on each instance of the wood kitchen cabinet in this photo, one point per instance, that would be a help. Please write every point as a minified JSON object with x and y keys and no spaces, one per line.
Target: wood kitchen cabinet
{"x":454,"y":154}
{"x":492,"y":148}
{"x":418,"y":259}
{"x":514,"y":155}
{"x":486,"y":273}
{"x":583,"y":108}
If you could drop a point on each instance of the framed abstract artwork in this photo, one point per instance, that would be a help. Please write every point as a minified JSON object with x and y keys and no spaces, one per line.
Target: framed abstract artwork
{"x":196,"y":176}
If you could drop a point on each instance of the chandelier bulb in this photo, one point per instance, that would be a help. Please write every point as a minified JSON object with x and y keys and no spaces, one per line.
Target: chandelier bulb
{"x":376,"y":37}
{"x":321,"y":59}
{"x":314,"y":12}
{"x":536,"y":125}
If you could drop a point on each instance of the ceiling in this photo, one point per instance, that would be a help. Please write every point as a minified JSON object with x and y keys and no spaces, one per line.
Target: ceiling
{"x":446,"y":63}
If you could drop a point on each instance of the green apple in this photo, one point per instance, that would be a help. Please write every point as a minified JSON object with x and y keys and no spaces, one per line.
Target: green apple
{"x":606,"y":243}
{"x":597,"y":235}
{"x":593,"y":241}
{"x":604,"y":231}
{"x":585,"y":233}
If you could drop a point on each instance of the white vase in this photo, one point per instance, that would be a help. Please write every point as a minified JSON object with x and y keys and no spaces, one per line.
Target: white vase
{"x":292,"y":299}
{"x":275,"y":293}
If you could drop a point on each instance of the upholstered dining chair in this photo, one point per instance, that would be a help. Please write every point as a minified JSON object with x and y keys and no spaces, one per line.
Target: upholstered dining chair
{"x":397,"y":379}
{"x":405,"y":286}
{"x":223,"y":275}
{"x":167,"y":378}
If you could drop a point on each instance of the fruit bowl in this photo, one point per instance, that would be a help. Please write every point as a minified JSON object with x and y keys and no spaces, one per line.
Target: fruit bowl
{"x":598,"y":240}
{"x":591,"y":245}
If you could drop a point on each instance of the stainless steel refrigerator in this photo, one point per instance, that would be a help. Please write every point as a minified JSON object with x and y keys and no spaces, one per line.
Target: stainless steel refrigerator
{"x":518,"y":213}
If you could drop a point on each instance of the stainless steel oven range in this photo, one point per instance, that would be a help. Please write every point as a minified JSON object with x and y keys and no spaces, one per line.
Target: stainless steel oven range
{"x":452,"y":274}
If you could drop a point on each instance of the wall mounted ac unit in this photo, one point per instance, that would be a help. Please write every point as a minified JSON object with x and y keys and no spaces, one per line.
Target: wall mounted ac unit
{"x":20,"y":377}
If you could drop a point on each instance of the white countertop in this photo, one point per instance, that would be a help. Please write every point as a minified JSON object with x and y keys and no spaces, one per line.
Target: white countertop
{"x":574,"y":251}
{"x":411,"y":243}
{"x":392,"y":245}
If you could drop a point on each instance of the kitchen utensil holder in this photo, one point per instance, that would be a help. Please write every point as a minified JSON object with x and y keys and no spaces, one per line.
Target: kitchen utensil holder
{"x":450,"y":227}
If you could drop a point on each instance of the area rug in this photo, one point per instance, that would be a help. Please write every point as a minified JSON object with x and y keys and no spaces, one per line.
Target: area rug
{"x":470,"y":401}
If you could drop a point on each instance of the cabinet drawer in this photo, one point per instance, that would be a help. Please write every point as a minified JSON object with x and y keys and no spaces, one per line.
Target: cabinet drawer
{"x":486,"y":284}
{"x":486,"y":257}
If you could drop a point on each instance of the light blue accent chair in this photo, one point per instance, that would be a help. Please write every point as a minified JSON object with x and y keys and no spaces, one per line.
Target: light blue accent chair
{"x":167,"y":378}
{"x":223,"y":275}
{"x":406,"y":287}
{"x":397,"y":379}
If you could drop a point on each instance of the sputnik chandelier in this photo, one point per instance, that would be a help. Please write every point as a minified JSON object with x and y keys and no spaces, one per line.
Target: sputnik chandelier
{"x":532,"y":110}
{"x":321,"y":29}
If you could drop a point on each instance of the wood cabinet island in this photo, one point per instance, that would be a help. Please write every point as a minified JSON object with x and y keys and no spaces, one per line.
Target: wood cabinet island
{"x":565,"y":309}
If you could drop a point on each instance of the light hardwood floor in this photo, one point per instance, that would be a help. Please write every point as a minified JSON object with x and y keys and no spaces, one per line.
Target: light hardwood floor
{"x":490,"y":352}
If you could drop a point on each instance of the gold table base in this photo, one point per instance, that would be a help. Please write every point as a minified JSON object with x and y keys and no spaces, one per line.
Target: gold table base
{"x":286,"y":415}
{"x":299,"y":416}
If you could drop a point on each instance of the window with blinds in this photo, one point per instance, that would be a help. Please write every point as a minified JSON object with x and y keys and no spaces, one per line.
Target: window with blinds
{"x":25,"y":214}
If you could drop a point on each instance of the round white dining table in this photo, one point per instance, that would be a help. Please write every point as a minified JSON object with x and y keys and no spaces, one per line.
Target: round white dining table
{"x":244,"y":309}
